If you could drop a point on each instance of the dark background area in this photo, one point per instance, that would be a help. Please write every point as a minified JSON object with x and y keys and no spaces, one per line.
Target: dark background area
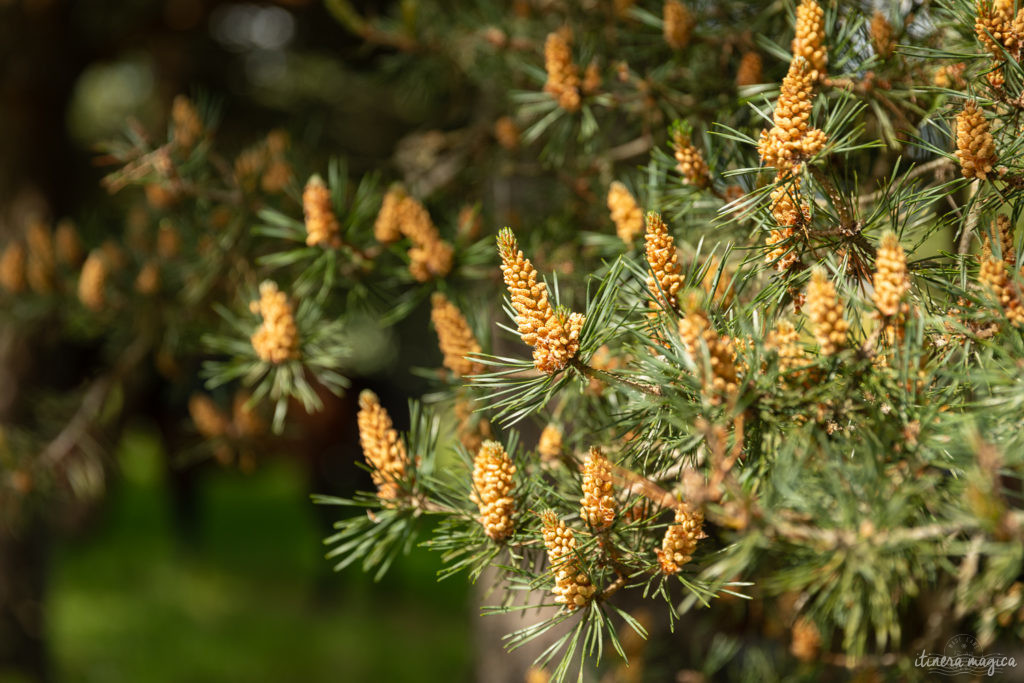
{"x":74,"y":71}
{"x":238,"y":589}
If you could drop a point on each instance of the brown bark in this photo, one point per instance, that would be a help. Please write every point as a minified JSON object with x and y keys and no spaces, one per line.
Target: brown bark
{"x":493,"y":663}
{"x":35,"y":86}
{"x":23,"y":652}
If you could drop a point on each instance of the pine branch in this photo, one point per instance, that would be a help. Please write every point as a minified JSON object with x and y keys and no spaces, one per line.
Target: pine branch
{"x":612,"y":378}
{"x":92,"y":403}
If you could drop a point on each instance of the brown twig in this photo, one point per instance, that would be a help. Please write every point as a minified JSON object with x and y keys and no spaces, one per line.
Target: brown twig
{"x":420,"y":503}
{"x":919,"y":170}
{"x":846,"y":221}
{"x":140,"y":166}
{"x":93,"y":400}
{"x":630,"y":149}
{"x":971,"y":221}
{"x":611,"y":378}
{"x":612,"y":588}
{"x":349,"y":17}
{"x":636,"y":483}
{"x":216,"y":194}
{"x":831,"y":539}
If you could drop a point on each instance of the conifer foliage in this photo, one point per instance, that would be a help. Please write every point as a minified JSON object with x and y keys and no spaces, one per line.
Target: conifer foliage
{"x":759,"y":349}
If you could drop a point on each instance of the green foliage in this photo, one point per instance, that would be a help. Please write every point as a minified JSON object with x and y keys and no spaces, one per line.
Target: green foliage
{"x":844,"y":489}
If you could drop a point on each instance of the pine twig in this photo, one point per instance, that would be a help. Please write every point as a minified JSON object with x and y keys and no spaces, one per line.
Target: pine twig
{"x":92,"y":404}
{"x":611,"y":378}
{"x":612,"y":588}
{"x":919,"y":170}
{"x":972,"y":220}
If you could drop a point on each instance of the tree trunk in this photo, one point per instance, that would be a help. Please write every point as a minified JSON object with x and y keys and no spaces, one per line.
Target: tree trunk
{"x":35,"y":87}
{"x":23,"y":652}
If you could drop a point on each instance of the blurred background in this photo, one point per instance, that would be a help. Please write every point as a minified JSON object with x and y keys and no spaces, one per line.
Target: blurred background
{"x":195,"y":572}
{"x":250,"y":598}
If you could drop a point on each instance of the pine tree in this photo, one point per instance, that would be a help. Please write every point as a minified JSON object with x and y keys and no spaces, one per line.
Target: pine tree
{"x":797,"y":397}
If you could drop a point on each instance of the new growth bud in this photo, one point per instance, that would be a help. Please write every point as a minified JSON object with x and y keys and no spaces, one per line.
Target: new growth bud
{"x":553,"y":334}
{"x":691,"y":164}
{"x":749,"y":71}
{"x":678,"y":24}
{"x":277,"y":338}
{"x":429,"y":255}
{"x":891,"y":281}
{"x":322,"y":227}
{"x":209,"y":420}
{"x":994,"y":277}
{"x":665,"y":276}
{"x":93,"y":281}
{"x":454,"y":336}
{"x":792,"y":140}
{"x":976,"y":149}
{"x":493,"y":483}
{"x":598,"y":506}
{"x":12,"y":268}
{"x":387,"y":228}
{"x":188,"y":127}
{"x":694,"y":329}
{"x":382,"y":447}
{"x":784,"y":340}
{"x":826,"y":313}
{"x":549,"y":445}
{"x":626,"y":213}
{"x":572,"y":586}
{"x":809,"y":38}
{"x":563,"y":82}
{"x":680,"y":540}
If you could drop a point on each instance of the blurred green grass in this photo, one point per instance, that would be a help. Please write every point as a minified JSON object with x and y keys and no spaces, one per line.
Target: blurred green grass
{"x":249,"y":601}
